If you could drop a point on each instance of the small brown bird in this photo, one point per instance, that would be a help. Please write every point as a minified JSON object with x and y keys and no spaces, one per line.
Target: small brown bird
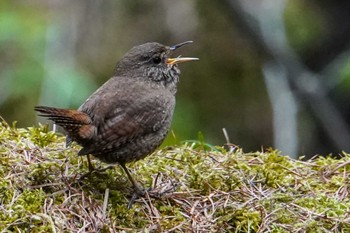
{"x":129,"y":116}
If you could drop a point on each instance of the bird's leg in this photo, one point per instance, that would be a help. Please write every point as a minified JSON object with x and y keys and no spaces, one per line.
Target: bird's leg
{"x":137,"y":187}
{"x":91,"y":167}
{"x":139,"y":190}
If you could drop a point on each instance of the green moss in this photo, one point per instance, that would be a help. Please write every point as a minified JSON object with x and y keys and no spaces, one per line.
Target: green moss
{"x":195,"y":187}
{"x":30,"y":200}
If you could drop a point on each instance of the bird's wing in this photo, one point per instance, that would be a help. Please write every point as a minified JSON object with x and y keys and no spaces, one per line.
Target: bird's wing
{"x":122,"y":117}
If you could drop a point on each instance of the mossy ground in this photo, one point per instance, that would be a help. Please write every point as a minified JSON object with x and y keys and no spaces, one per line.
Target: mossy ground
{"x":195,"y":188}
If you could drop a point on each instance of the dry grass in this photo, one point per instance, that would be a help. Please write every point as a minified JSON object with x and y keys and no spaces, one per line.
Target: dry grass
{"x":195,"y":188}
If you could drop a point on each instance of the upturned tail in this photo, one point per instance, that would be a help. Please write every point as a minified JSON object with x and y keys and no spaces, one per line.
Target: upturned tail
{"x":77,"y":124}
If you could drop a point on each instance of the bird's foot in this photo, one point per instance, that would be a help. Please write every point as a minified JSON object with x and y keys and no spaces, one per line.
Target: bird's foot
{"x":139,"y":191}
{"x":96,"y":170}
{"x":156,"y":193}
{"x":101,"y":170}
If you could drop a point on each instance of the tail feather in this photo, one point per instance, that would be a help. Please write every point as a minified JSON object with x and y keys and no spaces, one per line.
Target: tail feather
{"x":78,"y":124}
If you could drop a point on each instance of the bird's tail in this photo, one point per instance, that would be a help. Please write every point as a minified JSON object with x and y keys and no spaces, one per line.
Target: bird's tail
{"x":77,"y":124}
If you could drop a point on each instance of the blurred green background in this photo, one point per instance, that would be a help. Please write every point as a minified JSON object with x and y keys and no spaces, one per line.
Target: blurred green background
{"x":272,"y":74}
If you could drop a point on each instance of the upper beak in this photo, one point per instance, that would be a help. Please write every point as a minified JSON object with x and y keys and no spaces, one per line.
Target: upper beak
{"x":172,"y":61}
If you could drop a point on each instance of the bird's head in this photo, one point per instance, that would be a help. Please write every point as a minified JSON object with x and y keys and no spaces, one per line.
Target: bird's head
{"x":152,"y":61}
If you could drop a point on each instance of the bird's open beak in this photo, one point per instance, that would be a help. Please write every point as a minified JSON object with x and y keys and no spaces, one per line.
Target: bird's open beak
{"x":172,"y":61}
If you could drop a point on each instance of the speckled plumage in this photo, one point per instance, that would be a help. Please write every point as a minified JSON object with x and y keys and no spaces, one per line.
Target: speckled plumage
{"x":129,"y":116}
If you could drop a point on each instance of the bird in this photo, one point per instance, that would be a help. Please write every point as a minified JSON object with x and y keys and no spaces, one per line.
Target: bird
{"x":129,"y":116}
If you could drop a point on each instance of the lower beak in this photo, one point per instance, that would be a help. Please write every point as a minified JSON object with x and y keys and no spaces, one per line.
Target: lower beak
{"x":172,"y":61}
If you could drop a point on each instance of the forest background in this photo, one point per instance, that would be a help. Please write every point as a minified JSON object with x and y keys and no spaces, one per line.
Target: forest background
{"x":272,"y":73}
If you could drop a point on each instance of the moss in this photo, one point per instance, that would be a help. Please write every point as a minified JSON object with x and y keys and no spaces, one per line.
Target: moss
{"x":194,"y":187}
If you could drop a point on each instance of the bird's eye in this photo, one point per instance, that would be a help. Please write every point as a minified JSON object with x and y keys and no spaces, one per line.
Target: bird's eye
{"x":156,"y":60}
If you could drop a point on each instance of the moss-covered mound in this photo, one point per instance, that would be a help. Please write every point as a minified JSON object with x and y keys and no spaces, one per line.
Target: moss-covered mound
{"x":195,"y":188}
